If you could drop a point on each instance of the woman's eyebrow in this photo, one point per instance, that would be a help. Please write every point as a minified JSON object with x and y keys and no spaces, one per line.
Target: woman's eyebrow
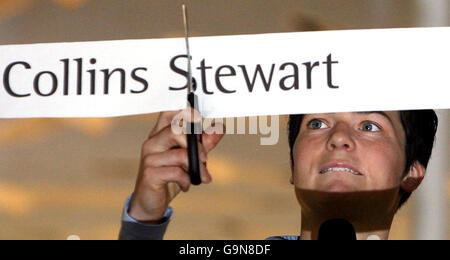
{"x":378,"y":112}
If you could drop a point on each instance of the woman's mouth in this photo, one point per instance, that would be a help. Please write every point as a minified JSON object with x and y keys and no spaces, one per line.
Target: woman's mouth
{"x":340,"y":169}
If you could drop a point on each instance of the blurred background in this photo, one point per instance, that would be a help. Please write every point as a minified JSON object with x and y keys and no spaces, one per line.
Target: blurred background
{"x":62,"y":177}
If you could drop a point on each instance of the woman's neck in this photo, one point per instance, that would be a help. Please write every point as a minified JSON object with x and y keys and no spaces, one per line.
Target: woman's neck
{"x":368,"y":229}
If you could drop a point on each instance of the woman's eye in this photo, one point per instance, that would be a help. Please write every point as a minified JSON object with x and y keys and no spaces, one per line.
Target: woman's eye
{"x":370,"y":127}
{"x":317,"y":124}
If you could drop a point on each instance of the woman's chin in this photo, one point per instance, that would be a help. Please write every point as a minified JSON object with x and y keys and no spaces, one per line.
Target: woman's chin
{"x":339,"y":186}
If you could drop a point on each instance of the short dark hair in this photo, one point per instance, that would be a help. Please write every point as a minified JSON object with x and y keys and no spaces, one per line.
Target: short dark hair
{"x":420,"y":128}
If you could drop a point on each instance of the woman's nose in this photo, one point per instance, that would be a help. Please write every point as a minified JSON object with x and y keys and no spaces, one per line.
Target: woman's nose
{"x":341,"y":138}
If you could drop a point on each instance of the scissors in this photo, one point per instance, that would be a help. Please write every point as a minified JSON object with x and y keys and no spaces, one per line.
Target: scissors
{"x":194,"y":131}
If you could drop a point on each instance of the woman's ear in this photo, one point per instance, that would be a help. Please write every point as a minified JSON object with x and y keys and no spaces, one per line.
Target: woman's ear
{"x":414,"y":177}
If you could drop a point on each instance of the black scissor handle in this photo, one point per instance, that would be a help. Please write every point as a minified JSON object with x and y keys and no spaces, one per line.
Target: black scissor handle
{"x":194,"y":135}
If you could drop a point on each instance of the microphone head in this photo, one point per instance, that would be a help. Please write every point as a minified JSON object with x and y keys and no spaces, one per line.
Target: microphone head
{"x":337,"y":229}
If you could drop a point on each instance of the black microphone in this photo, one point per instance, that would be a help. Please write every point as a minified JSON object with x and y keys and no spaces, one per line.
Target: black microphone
{"x":337,"y":229}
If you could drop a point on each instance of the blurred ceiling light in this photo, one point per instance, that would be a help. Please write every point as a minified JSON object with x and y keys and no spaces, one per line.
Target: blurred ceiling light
{"x":93,"y":127}
{"x":15,"y":201}
{"x":31,"y":131}
{"x":26,"y":131}
{"x":225,"y":171}
{"x":11,"y":8}
{"x":71,"y":5}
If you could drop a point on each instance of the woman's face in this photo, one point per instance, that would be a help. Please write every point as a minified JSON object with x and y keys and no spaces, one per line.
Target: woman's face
{"x":349,"y":152}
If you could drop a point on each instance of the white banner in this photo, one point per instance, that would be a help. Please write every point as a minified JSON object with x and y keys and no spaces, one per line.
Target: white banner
{"x":245,"y":75}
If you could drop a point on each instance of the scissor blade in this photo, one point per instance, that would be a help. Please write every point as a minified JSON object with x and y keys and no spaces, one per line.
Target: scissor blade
{"x":186,"y":37}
